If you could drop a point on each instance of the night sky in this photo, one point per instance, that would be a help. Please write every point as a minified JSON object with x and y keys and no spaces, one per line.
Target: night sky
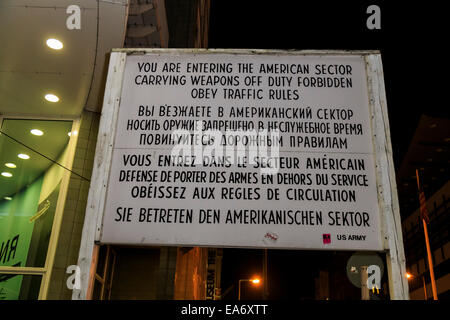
{"x":411,"y":41}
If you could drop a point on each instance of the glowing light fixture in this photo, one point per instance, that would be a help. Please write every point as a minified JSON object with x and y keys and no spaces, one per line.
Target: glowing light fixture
{"x":254,"y":281}
{"x":10,"y":165}
{"x":54,"y":44}
{"x":408,"y":275}
{"x":37,"y":132}
{"x":7,"y":174}
{"x":23,"y":156}
{"x":51,"y":97}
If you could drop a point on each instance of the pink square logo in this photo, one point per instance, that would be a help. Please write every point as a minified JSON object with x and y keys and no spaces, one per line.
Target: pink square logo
{"x":326,"y":238}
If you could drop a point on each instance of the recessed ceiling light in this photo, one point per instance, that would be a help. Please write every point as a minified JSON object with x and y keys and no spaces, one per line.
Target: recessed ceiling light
{"x":7,"y":174}
{"x":23,"y":156}
{"x":7,"y":198}
{"x":10,"y":165}
{"x":51,"y":97}
{"x":36,"y":132}
{"x":54,"y":44}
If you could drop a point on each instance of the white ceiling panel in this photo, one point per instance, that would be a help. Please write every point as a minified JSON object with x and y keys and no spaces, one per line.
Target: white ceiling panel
{"x":51,"y":3}
{"x":29,"y":69}
{"x":23,"y":93}
{"x":24,"y":44}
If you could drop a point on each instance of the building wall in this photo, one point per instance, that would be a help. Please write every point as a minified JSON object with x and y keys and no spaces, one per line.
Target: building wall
{"x":188,"y":22}
{"x":190,"y":276}
{"x":135,"y":274}
{"x":438,"y":206}
{"x":166,"y":273}
{"x":75,"y":206}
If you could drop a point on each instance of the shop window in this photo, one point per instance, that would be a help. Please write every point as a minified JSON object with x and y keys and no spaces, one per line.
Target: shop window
{"x":19,"y":287}
{"x":33,"y":157}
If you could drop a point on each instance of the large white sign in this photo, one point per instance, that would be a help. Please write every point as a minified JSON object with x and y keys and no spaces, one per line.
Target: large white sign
{"x":243,"y":150}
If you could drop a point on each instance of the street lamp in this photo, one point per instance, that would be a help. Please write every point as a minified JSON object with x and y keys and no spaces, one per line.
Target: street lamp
{"x":255,"y":281}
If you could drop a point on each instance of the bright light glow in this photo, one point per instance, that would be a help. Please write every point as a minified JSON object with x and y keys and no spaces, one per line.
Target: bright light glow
{"x":74,"y":133}
{"x":23,"y":156}
{"x":37,"y":132}
{"x":7,"y":174}
{"x":408,"y":275}
{"x":54,"y":44}
{"x":7,"y":198}
{"x":51,"y":97}
{"x":10,"y":165}
{"x":256,"y":281}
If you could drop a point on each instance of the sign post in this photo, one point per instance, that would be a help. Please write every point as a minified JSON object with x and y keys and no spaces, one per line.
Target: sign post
{"x":246,"y":148}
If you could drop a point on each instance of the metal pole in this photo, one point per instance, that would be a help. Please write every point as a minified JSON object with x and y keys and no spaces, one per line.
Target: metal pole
{"x":265,"y":280}
{"x":427,"y":241}
{"x":239,"y":290}
{"x":218,"y":286}
{"x":365,"y":295}
{"x":424,"y":288}
{"x":430,"y":261}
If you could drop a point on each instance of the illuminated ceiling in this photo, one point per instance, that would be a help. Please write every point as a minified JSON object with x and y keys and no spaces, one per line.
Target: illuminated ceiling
{"x":29,"y":69}
{"x":51,"y":144}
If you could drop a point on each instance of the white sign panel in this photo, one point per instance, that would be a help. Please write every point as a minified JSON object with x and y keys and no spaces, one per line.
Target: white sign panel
{"x":242,"y":150}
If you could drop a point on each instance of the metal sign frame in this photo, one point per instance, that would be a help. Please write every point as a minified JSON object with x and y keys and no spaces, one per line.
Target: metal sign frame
{"x":390,"y":221}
